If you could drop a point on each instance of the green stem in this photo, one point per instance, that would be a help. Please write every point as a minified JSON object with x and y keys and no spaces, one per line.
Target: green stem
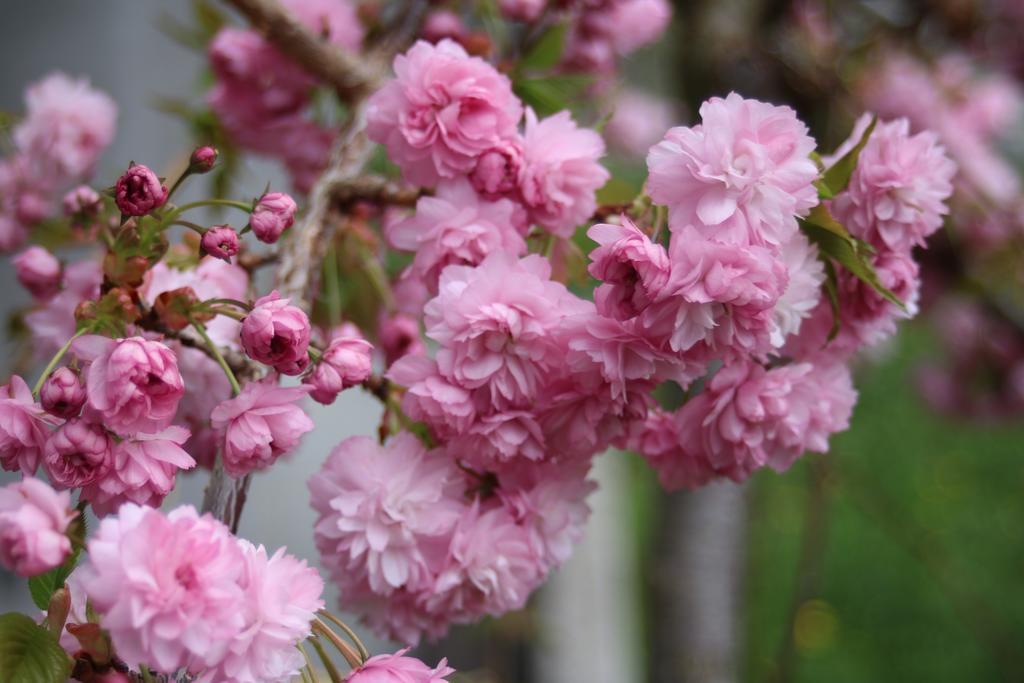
{"x":177,"y":183}
{"x":230,"y":302}
{"x":309,"y":664}
{"x":191,"y":226}
{"x":379,"y":279}
{"x":201,"y":329}
{"x":53,"y":362}
{"x":147,"y":675}
{"x":332,"y":671}
{"x":177,"y":211}
{"x":363,"y":652}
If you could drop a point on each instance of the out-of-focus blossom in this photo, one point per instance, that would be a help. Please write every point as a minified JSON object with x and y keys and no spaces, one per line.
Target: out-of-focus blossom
{"x":39,"y":272}
{"x":33,"y":523}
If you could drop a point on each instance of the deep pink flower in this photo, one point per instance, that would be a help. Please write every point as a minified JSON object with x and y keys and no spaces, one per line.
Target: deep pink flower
{"x":560,"y":175}
{"x":22,"y":428}
{"x":897,"y":193}
{"x":385,"y":512}
{"x":67,"y":126}
{"x":399,"y":335}
{"x":741,"y":176}
{"x":441,"y":112}
{"x":398,"y":668}
{"x":634,"y":270}
{"x":138,"y":191}
{"x":281,"y":597}
{"x":347,"y":362}
{"x":133,"y":382}
{"x":274,"y":213}
{"x":260,"y":425}
{"x":78,"y":453}
{"x":33,"y":523}
{"x":202,"y":159}
{"x":455,"y":227}
{"x":62,"y":394}
{"x":143,"y":471}
{"x":276,"y":333}
{"x":39,"y":272}
{"x":166,"y":586}
{"x":220,"y":241}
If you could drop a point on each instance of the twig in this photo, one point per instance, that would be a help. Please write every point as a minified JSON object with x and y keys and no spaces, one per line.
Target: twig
{"x":351,"y":77}
{"x":373,"y":189}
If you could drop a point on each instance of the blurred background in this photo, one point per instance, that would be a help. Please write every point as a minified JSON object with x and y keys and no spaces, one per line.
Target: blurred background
{"x":898,"y":556}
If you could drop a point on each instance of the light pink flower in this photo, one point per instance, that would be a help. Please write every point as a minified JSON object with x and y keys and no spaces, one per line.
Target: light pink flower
{"x":274,"y":213}
{"x":166,"y":586}
{"x":53,"y":323}
{"x":659,"y":441}
{"x":385,"y":511}
{"x":260,"y":425}
{"x":455,"y":227}
{"x":62,"y":394}
{"x":496,"y":338}
{"x":802,"y":294}
{"x":638,"y":122}
{"x":281,"y":598}
{"x":441,"y":112}
{"x":634,"y":271}
{"x":868,"y":315}
{"x":82,"y":200}
{"x":67,"y":126}
{"x":629,"y":24}
{"x":399,"y":336}
{"x":78,"y":453}
{"x":897,"y":193}
{"x":496,"y":173}
{"x":560,"y":175}
{"x":335,"y":21}
{"x":277,"y":333}
{"x":22,"y":428}
{"x":719,"y":295}
{"x":143,"y":471}
{"x":133,"y":382}
{"x":33,"y":523}
{"x":741,"y":176}
{"x":347,"y":362}
{"x":138,"y":191}
{"x":398,"y":668}
{"x":501,"y":438}
{"x":39,"y":272}
{"x":446,"y":408}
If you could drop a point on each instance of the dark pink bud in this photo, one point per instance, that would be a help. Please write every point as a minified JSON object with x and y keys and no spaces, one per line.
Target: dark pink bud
{"x":139,"y":191}
{"x":441,"y":24}
{"x":220,"y":241}
{"x":78,"y":453}
{"x":63,"y":394}
{"x":203,"y":159}
{"x":274,"y":213}
{"x":399,"y":335}
{"x":348,"y":361}
{"x":39,"y":272}
{"x":83,"y":200}
{"x":277,"y":334}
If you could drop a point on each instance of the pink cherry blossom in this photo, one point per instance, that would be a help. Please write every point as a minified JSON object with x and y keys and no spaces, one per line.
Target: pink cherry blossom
{"x":82,"y":200}
{"x":455,"y":227}
{"x":399,"y":336}
{"x":897,"y":193}
{"x":560,"y":175}
{"x":22,"y":428}
{"x":38,"y":271}
{"x":806,"y":276}
{"x":62,"y":394}
{"x":441,"y":112}
{"x":138,"y":191}
{"x":53,"y":322}
{"x":501,"y":438}
{"x":385,"y":511}
{"x":274,"y":213}
{"x":637,"y":122}
{"x":497,"y":170}
{"x":33,"y":523}
{"x":277,"y":333}
{"x":260,"y":425}
{"x":441,"y":24}
{"x":78,"y":453}
{"x":67,"y":125}
{"x":446,"y":408}
{"x":634,"y":271}
{"x":522,"y":10}
{"x":133,"y":382}
{"x":335,"y":21}
{"x":281,"y":597}
{"x":220,"y":241}
{"x":741,"y":176}
{"x":142,"y":471}
{"x":166,"y":586}
{"x":346,"y":362}
{"x":398,"y":668}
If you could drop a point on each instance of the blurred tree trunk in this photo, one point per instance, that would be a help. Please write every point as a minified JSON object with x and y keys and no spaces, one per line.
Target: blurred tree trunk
{"x":697,"y":568}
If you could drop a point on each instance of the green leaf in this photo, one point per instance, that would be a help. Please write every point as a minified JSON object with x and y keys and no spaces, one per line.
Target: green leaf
{"x":552,"y":93}
{"x":547,"y":51}
{"x":821,"y":217}
{"x":43,"y":586}
{"x":29,"y":653}
{"x":837,"y":177}
{"x":849,"y":253}
{"x":832,"y":292}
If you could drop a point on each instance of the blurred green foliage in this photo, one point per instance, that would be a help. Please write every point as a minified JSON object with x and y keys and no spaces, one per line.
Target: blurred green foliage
{"x":917,"y":573}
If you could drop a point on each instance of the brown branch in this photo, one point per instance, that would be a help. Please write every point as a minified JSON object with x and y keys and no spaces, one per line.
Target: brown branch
{"x":351,"y":77}
{"x":372,"y":189}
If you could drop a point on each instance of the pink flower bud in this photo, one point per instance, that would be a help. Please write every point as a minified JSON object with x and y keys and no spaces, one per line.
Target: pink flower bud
{"x":33,"y":524}
{"x":139,"y":191}
{"x":78,"y":453}
{"x":39,"y":272}
{"x":31,"y":208}
{"x":274,"y":213}
{"x":277,"y":333}
{"x":399,"y":336}
{"x":203,"y":159}
{"x":348,"y":361}
{"x":441,"y":24}
{"x":63,"y":394}
{"x":83,"y":200}
{"x":497,"y":169}
{"x":220,"y":241}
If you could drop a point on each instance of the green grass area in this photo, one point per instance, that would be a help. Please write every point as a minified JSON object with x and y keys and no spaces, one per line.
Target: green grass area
{"x":919,"y":572}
